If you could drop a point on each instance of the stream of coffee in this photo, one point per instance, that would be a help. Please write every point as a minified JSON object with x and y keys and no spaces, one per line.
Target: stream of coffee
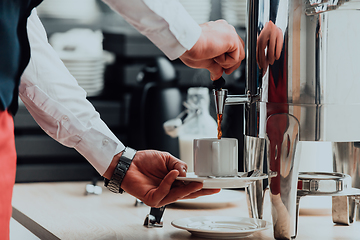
{"x":219,"y":120}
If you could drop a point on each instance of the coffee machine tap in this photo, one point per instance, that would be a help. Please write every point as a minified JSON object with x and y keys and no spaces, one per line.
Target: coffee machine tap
{"x":222,"y":98}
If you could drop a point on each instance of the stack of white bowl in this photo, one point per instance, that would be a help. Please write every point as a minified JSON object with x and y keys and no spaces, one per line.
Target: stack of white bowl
{"x":81,"y":52}
{"x":234,"y":12}
{"x":82,"y":10}
{"x":199,"y":10}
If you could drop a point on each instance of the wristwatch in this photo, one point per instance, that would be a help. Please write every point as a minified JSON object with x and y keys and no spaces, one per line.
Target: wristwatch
{"x":114,"y":184}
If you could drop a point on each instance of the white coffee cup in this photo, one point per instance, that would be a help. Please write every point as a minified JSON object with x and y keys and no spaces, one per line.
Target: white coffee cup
{"x":216,"y":157}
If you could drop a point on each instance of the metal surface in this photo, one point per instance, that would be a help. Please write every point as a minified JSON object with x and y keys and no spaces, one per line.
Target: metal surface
{"x":337,"y":185}
{"x":306,"y":80}
{"x":253,"y":160}
{"x":155,"y":217}
{"x":343,"y":208}
{"x":283,"y":154}
{"x":219,"y":98}
{"x":319,"y":183}
{"x":301,"y":85}
{"x":346,"y":157}
{"x":301,"y":62}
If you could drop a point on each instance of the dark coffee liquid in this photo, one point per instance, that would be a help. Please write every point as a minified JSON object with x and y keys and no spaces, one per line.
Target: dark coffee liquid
{"x":219,"y":120}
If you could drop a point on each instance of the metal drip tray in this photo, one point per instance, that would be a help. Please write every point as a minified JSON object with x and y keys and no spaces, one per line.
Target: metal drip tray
{"x":322,"y":183}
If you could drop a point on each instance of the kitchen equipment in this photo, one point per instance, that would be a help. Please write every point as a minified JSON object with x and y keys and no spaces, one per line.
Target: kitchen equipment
{"x":193,"y":123}
{"x":302,"y":85}
{"x":155,"y":217}
{"x":346,"y":157}
{"x":337,"y":185}
{"x":81,"y":51}
{"x":155,"y":99}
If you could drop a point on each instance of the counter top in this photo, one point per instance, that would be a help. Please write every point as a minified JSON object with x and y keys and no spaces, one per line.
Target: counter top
{"x":63,"y":211}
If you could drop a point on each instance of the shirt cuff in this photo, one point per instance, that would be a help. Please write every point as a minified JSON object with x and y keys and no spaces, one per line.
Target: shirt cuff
{"x":106,"y":149}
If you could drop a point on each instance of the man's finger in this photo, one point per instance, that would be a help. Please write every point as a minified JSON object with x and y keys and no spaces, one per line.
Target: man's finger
{"x":228,"y":59}
{"x":201,"y":192}
{"x":215,"y":70}
{"x":279,"y":44}
{"x":181,"y":192}
{"x":232,"y":69}
{"x":164,"y":188}
{"x":175,"y":163}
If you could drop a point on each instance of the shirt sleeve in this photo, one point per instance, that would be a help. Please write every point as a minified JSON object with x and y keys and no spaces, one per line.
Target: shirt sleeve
{"x":165,"y":22}
{"x":59,"y":105}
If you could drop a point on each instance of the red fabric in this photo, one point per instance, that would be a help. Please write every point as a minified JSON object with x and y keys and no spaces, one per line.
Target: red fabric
{"x":7,"y":171}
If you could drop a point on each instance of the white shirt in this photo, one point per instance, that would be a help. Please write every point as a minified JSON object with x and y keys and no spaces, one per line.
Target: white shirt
{"x":59,"y":105}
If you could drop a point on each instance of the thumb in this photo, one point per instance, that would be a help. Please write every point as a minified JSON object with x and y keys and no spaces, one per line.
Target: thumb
{"x":164,"y":188}
{"x":172,"y":163}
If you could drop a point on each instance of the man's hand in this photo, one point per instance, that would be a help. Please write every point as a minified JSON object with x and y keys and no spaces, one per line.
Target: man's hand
{"x":152,"y":179}
{"x":218,"y":49}
{"x":271,"y":39}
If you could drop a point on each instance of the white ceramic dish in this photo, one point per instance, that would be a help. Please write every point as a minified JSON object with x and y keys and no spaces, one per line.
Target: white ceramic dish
{"x":221,"y":227}
{"x":222,"y":182}
{"x":218,"y":200}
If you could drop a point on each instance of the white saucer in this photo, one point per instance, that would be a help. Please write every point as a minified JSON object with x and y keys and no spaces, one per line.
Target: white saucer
{"x":217,"y":200}
{"x":222,"y":182}
{"x":221,"y":227}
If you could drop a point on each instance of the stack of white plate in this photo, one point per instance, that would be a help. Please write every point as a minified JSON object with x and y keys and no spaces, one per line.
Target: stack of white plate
{"x":89,"y":73}
{"x":234,"y":12}
{"x":199,"y":10}
{"x":81,"y":52}
{"x":69,"y":9}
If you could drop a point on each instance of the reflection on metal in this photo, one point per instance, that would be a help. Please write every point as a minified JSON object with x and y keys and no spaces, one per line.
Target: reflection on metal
{"x":302,"y":66}
{"x":321,"y":6}
{"x":155,"y":217}
{"x":310,"y":74}
{"x":341,"y":207}
{"x":253,"y":160}
{"x":346,"y":156}
{"x":282,"y":135}
{"x":220,"y":98}
{"x":337,"y":185}
{"x":322,"y":183}
{"x":301,"y":85}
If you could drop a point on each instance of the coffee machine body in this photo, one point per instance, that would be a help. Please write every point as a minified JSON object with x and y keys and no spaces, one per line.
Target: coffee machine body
{"x":302,"y":85}
{"x":314,"y":77}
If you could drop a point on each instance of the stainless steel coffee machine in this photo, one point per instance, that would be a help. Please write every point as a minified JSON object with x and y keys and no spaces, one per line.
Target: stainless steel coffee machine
{"x":302,"y":85}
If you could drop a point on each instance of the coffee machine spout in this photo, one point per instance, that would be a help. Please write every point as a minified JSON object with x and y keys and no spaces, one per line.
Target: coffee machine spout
{"x":222,"y":98}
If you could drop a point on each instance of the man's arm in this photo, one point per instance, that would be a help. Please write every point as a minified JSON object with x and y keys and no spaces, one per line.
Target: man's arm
{"x":59,"y":105}
{"x":165,"y":22}
{"x":215,"y":45}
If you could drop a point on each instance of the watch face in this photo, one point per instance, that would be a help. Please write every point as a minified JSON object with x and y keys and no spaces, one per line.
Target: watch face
{"x":128,"y":155}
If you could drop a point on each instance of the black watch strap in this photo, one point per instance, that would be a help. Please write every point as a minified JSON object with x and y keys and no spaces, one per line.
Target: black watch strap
{"x":114,"y":184}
